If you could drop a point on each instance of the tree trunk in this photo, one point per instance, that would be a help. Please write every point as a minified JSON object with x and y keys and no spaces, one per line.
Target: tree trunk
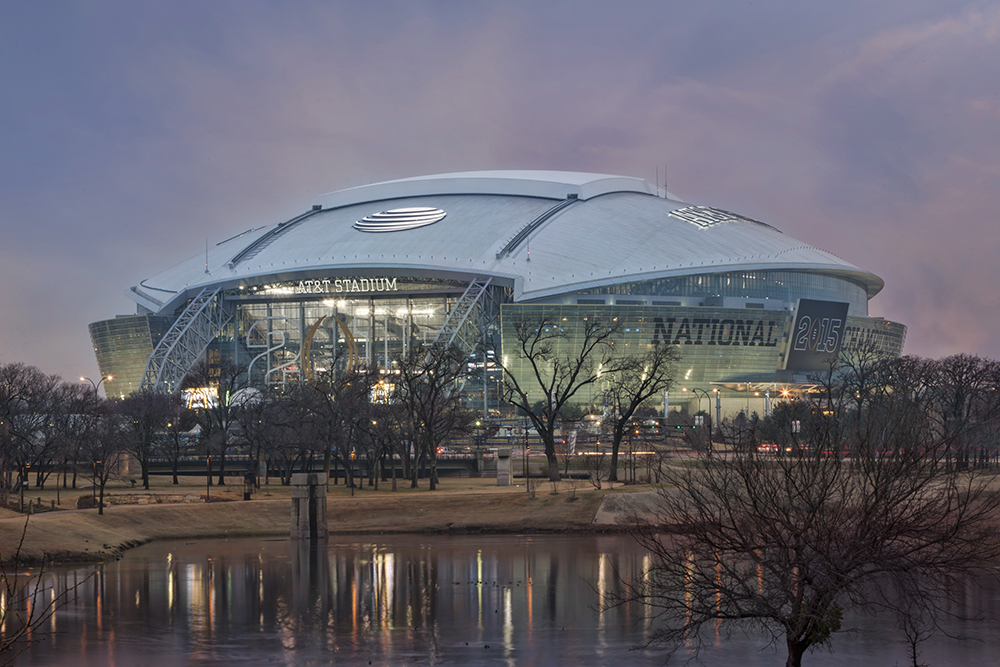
{"x":173,"y":469}
{"x":348,"y":473}
{"x":405,"y":460}
{"x":144,"y":466}
{"x":222,"y":468}
{"x":393,"y":458}
{"x":415,"y":471}
{"x":616,"y":443}
{"x":796,"y":649}
{"x":553,"y":467}
{"x":326,"y":467}
{"x":549,"y":448}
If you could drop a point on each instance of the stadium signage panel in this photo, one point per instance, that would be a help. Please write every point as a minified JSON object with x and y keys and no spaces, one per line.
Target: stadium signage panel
{"x":713,"y":331}
{"x":348,"y":284}
{"x":816,"y":335}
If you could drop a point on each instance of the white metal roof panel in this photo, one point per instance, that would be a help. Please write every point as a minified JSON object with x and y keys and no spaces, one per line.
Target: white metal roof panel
{"x":618,"y":235}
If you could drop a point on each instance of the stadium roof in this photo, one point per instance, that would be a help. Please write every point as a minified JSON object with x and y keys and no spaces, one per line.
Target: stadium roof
{"x":542,"y":233}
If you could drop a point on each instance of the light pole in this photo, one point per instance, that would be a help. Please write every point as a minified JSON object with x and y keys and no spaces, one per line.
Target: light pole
{"x":97,"y":386}
{"x":22,"y":482}
{"x":704,"y":393}
{"x":524,"y":452}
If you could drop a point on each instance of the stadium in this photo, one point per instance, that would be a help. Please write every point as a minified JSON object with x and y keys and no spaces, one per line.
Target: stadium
{"x":365,"y":273}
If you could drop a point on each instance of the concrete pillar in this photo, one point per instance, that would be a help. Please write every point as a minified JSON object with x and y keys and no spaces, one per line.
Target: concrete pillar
{"x":308,"y":507}
{"x":505,"y":475}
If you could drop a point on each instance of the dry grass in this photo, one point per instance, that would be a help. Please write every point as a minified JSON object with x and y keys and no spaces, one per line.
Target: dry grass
{"x":460,"y":505}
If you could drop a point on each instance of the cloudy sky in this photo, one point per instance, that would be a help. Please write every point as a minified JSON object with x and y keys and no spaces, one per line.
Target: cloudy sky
{"x":131,"y":132}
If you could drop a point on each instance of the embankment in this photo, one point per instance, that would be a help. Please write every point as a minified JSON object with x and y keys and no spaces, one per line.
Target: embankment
{"x":84,"y":535}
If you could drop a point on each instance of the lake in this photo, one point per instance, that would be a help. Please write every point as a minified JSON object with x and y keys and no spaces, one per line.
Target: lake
{"x":421,"y":600}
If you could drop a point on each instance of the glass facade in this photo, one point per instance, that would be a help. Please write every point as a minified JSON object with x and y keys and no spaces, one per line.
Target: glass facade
{"x":786,"y":286}
{"x":123,"y":347}
{"x":289,"y":332}
{"x":720,"y":348}
{"x":715,"y":344}
{"x":359,"y":330}
{"x":886,"y":337}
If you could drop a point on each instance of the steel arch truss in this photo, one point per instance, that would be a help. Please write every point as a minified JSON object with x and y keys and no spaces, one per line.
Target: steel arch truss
{"x":184,"y":343}
{"x":459,"y":328}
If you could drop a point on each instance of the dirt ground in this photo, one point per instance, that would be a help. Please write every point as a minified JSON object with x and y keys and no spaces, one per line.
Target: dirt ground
{"x":459,"y":505}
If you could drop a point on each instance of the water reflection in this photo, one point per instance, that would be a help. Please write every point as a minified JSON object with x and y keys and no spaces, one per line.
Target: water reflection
{"x":505,"y":600}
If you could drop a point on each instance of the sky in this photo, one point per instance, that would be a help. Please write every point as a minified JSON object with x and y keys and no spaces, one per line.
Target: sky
{"x":132,"y":132}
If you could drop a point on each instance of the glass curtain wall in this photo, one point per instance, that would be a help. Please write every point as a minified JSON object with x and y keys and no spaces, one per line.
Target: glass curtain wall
{"x":285,"y":341}
{"x":715,"y":344}
{"x":787,"y":286}
{"x":123,"y":347}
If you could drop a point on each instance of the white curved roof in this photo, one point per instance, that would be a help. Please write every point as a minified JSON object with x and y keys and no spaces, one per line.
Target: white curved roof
{"x":546,"y":184}
{"x":543,"y":233}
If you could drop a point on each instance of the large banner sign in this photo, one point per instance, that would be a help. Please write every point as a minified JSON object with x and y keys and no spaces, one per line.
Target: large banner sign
{"x":816,"y":335}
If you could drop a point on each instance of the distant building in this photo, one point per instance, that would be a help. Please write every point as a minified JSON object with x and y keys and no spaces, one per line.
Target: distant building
{"x":367,"y":272}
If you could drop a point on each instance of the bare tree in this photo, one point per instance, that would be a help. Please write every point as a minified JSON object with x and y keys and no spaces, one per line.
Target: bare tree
{"x":966,"y":390}
{"x":596,"y":463}
{"x":47,"y":426}
{"x":427,"y":384}
{"x":298,"y":433}
{"x":639,"y":379}
{"x":566,"y":450}
{"x":783,"y":545}
{"x":104,"y":441}
{"x":260,"y":415}
{"x":28,"y":605}
{"x":26,"y":399}
{"x":144,"y":415}
{"x":389,"y":428}
{"x":862,"y":371}
{"x":56,"y":439}
{"x":220,"y":382}
{"x":337,"y":406}
{"x":556,"y":364}
{"x":394,"y":420}
{"x":174,"y":440}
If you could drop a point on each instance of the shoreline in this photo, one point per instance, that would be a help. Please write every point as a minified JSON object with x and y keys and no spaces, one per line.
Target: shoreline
{"x":457,"y":507}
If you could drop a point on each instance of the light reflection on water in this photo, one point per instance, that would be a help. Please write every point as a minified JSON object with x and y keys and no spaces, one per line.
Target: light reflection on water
{"x":504,"y":600}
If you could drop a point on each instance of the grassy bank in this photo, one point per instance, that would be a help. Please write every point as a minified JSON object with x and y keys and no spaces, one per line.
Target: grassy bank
{"x":460,"y":505}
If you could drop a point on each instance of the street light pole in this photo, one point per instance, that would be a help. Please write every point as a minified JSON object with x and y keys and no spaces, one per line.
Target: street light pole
{"x":98,"y":384}
{"x":704,"y":393}
{"x":524,"y":452}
